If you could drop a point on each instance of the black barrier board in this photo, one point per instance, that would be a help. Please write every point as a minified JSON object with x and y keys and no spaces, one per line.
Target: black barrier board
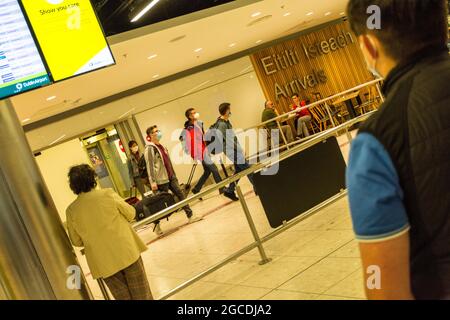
{"x":302,"y":182}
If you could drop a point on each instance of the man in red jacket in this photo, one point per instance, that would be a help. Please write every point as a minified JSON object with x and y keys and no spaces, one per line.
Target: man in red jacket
{"x":194,"y":144}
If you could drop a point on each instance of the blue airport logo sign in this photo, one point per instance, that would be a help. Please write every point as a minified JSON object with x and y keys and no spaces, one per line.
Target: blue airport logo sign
{"x":23,"y":86}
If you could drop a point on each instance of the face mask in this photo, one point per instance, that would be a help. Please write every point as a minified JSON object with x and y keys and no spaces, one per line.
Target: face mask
{"x":135,"y":149}
{"x":371,"y":68}
{"x":197,"y":116}
{"x":159,"y":135}
{"x":229,"y":114}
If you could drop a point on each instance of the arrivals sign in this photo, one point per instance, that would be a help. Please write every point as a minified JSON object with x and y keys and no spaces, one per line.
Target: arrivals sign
{"x":288,"y":58}
{"x":44,"y":41}
{"x":314,"y":64}
{"x":21,"y":65}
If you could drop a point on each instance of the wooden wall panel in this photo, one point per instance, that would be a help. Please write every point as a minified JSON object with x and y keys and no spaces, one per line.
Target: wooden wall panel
{"x":344,"y":68}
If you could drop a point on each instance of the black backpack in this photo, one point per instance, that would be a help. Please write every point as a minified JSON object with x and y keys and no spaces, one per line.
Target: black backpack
{"x":215,"y":126}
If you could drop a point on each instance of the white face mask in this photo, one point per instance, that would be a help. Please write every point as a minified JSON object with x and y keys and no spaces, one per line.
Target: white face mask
{"x":372,"y":69}
{"x":135,"y":149}
{"x":197,"y":116}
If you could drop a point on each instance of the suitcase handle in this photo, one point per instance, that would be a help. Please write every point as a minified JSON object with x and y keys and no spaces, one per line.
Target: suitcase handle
{"x":131,"y":192}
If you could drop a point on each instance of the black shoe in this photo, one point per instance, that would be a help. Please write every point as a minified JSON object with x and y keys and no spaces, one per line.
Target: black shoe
{"x":222,"y":190}
{"x":195,"y":192}
{"x":231,"y":195}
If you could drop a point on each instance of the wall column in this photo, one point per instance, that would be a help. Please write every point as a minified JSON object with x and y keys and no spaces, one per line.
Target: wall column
{"x":35,"y":252}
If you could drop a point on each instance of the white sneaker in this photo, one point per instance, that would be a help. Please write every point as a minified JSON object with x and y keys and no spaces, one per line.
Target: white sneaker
{"x":195,"y":218}
{"x":158,"y":230}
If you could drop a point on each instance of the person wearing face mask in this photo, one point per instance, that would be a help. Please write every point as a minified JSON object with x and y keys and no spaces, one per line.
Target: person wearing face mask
{"x":161,"y":173}
{"x":229,"y":145}
{"x":133,"y":167}
{"x":399,"y":167}
{"x":192,"y":138}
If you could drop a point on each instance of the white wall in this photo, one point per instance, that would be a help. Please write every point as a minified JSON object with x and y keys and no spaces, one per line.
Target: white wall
{"x":247,"y":103}
{"x":54,"y":164}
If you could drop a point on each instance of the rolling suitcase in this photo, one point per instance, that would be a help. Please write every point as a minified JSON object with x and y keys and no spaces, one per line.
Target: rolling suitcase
{"x":187,"y":187}
{"x":132,"y":200}
{"x":153,"y":204}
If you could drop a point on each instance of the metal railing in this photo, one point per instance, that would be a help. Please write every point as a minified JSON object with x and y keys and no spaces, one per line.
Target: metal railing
{"x":258,"y":243}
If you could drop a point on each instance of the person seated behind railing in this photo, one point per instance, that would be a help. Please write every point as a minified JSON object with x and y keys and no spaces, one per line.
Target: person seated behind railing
{"x":98,"y":220}
{"x":269,"y":113}
{"x":303,"y":116}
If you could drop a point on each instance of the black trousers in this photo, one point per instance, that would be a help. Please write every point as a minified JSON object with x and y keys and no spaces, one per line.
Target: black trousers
{"x":174,"y":186}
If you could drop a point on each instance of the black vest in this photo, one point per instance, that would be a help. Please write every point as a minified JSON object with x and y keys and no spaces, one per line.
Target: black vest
{"x":414,"y":126}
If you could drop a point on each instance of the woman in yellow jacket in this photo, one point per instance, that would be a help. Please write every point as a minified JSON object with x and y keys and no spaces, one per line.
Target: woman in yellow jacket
{"x":98,"y":220}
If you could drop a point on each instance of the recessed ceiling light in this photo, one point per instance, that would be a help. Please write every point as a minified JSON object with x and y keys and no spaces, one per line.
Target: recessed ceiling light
{"x":328,"y":13}
{"x":155,"y":76}
{"x":51,"y":98}
{"x":152,"y":56}
{"x":259,"y":41}
{"x":26,"y":120}
{"x":287,"y":14}
{"x":232,"y":45}
{"x":256,"y":14}
{"x":342,"y":13}
{"x":198,"y":49}
{"x":310,"y":13}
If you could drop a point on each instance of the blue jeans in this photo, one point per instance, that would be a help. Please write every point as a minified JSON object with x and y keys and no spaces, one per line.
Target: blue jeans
{"x":239,"y":167}
{"x":208,"y":169}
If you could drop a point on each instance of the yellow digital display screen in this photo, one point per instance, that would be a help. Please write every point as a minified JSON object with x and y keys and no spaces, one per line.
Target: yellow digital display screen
{"x":69,"y":35}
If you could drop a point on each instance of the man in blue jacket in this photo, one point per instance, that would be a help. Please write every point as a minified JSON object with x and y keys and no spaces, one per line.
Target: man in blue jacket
{"x":229,"y":145}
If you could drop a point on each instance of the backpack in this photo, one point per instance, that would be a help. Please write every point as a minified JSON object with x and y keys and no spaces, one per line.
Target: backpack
{"x":215,"y":126}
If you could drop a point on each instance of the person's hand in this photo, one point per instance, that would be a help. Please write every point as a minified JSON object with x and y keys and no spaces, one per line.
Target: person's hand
{"x":154,"y":187}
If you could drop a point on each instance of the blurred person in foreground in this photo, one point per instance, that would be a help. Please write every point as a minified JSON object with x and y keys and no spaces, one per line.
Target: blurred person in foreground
{"x":399,"y":167}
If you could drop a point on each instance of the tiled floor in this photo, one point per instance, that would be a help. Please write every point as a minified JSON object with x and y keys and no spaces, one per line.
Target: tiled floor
{"x":316,"y":259}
